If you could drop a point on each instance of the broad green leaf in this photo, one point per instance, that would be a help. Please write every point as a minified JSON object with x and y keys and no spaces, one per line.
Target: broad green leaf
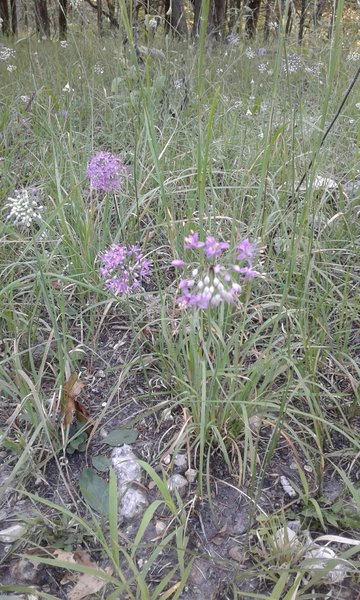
{"x":101,"y":463}
{"x":95,"y":491}
{"x":121,"y":436}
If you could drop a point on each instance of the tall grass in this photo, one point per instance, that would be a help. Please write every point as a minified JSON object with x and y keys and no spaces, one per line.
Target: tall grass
{"x":222,"y":154}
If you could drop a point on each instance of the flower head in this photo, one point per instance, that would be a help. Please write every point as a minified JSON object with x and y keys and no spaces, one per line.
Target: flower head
{"x":124,"y":269}
{"x":25,"y":207}
{"x":106,"y":172}
{"x":213,"y":247}
{"x":207,"y":284}
{"x":192,"y":242}
{"x":247,"y":250}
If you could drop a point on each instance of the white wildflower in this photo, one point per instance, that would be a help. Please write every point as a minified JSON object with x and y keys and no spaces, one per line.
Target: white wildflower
{"x":233,"y":39}
{"x":263,"y":67}
{"x":249,"y":52}
{"x":11,"y":68}
{"x":67,"y":88}
{"x":273,"y":26}
{"x":63,"y":44}
{"x":153,"y":24}
{"x":292,"y":64}
{"x":353,"y":56}
{"x":357,"y":105}
{"x":6,"y":53}
{"x":99,"y":69}
{"x":178,"y":84}
{"x":25,"y":99}
{"x":24,"y":208}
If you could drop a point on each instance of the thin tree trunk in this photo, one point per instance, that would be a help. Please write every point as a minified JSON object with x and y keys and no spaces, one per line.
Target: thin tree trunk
{"x":196,"y":22}
{"x":175,"y":21}
{"x":42,"y":18}
{"x":252,"y":19}
{"x":5,"y":16}
{"x":302,"y":21}
{"x":63,"y":6}
{"x":99,"y":16}
{"x":14,"y":21}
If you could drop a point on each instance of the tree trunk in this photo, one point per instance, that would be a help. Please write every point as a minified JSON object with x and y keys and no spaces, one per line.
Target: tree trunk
{"x":42,"y":18}
{"x":14,"y":21}
{"x":302,"y":21}
{"x":252,"y":18}
{"x":5,"y":16}
{"x":99,"y":16}
{"x":196,"y":22}
{"x":216,"y":18}
{"x":63,"y":6}
{"x":176,"y":20}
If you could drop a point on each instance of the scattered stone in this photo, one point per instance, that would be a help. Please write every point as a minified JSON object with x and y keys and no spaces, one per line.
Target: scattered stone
{"x":287,"y":487}
{"x":179,"y":483}
{"x":160,"y":527}
{"x":241,"y":523}
{"x":12,"y":533}
{"x":25,"y":571}
{"x":125,"y":465}
{"x":167,"y":459}
{"x":320,"y":555}
{"x":286,"y":538}
{"x":132,"y":504}
{"x":236,"y":554}
{"x":180,"y":461}
{"x":191,"y":475}
{"x":255,"y":423}
{"x":101,"y":374}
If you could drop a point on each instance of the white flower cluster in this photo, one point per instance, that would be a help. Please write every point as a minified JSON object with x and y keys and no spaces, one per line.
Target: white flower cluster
{"x":153,"y":23}
{"x":233,"y":39}
{"x":273,"y":26}
{"x":6,"y":53}
{"x":249,"y":52}
{"x":11,"y":68}
{"x":292,"y":64}
{"x":263,"y":67}
{"x":63,"y":44}
{"x":24,"y":208}
{"x":353,"y":56}
{"x":99,"y":69}
{"x":75,"y":3}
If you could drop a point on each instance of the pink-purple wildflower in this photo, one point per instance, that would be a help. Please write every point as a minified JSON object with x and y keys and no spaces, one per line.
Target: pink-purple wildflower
{"x":206,"y":285}
{"x":106,"y":172}
{"x":124,"y":269}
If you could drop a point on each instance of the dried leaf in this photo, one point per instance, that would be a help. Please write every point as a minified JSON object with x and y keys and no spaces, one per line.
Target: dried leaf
{"x":236,"y":554}
{"x":71,"y":407}
{"x":87,"y":585}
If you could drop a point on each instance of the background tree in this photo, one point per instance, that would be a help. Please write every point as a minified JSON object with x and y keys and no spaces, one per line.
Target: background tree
{"x":63,"y":6}
{"x":42,"y":18}
{"x":5,"y":16}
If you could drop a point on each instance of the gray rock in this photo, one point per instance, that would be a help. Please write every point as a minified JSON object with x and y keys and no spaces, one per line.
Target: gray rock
{"x":12,"y":533}
{"x":25,"y":571}
{"x":132,"y":504}
{"x":179,"y":483}
{"x":125,"y":465}
{"x":181,"y":462}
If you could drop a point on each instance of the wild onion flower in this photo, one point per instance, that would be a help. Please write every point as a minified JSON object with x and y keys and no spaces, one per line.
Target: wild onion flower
{"x":124,"y":269}
{"x":206,"y":284}
{"x":292,"y":63}
{"x":249,"y":53}
{"x":106,"y":172}
{"x":25,"y":207}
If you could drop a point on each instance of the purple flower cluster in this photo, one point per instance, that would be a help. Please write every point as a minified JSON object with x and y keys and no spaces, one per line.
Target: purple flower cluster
{"x":124,"y":269}
{"x":106,"y":172}
{"x":208,"y":285}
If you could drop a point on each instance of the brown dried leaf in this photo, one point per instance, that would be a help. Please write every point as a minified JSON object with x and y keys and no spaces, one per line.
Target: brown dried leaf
{"x":69,"y":405}
{"x":88,"y":585}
